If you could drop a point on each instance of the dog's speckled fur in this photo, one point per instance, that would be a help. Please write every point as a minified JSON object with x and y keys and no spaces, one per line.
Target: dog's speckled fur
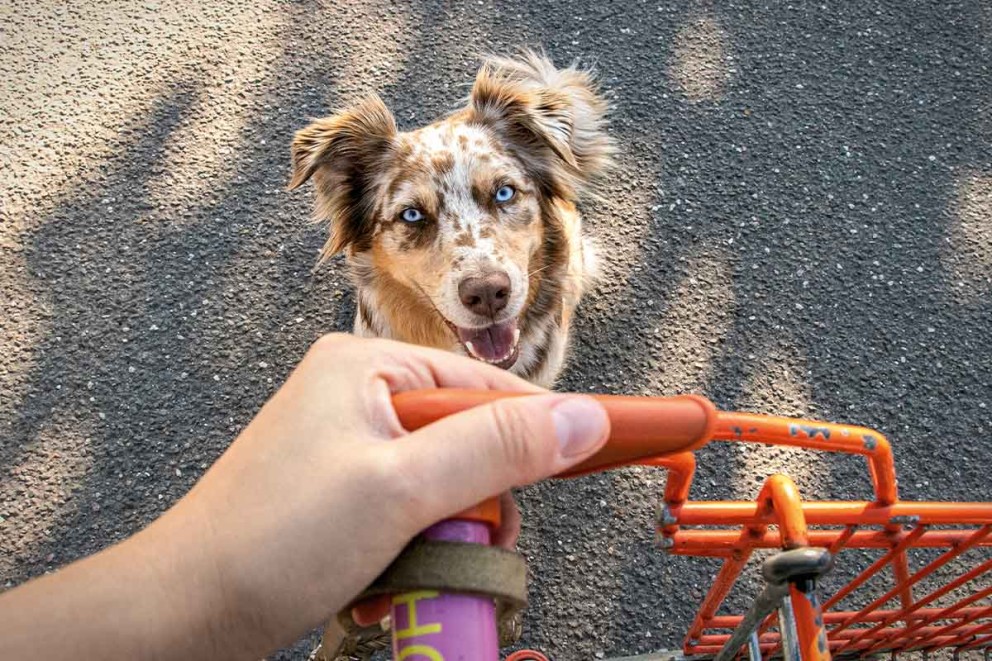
{"x":526,"y":124}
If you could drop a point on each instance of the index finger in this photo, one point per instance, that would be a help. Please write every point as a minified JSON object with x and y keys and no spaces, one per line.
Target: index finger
{"x":411,"y":367}
{"x":400,"y":367}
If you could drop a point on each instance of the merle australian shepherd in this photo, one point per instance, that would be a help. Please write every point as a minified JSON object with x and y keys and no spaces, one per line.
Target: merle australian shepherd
{"x":464,"y":234}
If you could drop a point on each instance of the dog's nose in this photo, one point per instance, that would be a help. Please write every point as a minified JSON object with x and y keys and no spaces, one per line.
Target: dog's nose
{"x":487,"y":295}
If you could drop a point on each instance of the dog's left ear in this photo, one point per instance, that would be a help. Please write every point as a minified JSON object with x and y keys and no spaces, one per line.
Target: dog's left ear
{"x":343,"y":154}
{"x":555,"y":116}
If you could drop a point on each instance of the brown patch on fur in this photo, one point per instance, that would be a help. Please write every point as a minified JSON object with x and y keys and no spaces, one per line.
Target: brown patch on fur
{"x":411,"y":318}
{"x":407,"y":171}
{"x":519,"y":215}
{"x":404,"y":151}
{"x":394,"y":186}
{"x":442,"y":163}
{"x":367,"y":317}
{"x":411,"y":315}
{"x":417,"y":236}
{"x":482,"y":195}
{"x":465,"y":240}
{"x":439,"y":201}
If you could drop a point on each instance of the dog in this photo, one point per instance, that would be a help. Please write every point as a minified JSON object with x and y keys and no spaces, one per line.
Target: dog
{"x":465,"y":234}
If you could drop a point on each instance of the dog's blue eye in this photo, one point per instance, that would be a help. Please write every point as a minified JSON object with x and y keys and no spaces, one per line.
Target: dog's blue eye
{"x":411,"y":215}
{"x":505,"y":193}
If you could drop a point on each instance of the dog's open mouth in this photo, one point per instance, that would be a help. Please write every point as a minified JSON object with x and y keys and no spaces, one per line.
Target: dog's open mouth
{"x":497,"y":344}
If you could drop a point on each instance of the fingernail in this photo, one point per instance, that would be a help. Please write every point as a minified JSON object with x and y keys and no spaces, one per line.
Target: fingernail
{"x":580,"y":423}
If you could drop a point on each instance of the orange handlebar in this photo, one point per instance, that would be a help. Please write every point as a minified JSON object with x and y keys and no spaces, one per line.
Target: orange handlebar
{"x":641,"y":427}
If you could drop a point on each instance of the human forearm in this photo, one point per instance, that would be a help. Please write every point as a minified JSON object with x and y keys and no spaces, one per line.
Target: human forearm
{"x":154,"y":596}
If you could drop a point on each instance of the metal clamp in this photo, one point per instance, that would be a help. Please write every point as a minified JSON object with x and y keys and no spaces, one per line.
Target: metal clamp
{"x":801,"y":567}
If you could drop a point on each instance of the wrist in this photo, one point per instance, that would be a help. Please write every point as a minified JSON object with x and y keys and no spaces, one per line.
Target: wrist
{"x":243,"y":593}
{"x":196,"y":608}
{"x":184,"y":585}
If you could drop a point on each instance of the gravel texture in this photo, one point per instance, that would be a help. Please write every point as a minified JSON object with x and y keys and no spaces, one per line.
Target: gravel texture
{"x":801,"y":223}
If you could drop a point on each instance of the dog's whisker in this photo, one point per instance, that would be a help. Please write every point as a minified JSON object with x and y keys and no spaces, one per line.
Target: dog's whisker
{"x":430,"y":302}
{"x":543,"y":268}
{"x":426,"y":297}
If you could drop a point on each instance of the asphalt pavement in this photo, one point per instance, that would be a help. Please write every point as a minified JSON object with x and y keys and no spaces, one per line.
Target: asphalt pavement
{"x":801,"y":223}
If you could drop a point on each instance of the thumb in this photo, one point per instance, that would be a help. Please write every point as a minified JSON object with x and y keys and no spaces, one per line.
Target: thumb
{"x":463,"y":459}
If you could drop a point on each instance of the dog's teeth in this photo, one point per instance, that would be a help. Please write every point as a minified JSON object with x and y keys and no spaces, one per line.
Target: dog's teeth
{"x":470,"y":348}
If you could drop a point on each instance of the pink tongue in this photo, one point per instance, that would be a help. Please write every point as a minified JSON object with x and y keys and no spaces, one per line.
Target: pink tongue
{"x":490,"y":343}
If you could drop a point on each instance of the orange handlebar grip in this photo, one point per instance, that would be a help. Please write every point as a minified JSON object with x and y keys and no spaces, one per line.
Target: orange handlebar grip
{"x":641,"y":427}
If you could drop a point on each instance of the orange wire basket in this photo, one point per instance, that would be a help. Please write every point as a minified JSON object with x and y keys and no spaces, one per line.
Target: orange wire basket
{"x":928,"y":580}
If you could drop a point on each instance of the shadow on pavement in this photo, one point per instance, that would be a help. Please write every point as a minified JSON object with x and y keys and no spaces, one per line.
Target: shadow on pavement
{"x":776,"y":237}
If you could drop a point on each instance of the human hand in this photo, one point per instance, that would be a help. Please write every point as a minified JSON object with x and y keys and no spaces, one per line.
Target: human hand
{"x":315,"y":498}
{"x":324,"y":488}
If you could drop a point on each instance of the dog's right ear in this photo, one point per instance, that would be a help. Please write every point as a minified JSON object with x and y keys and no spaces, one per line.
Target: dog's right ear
{"x":556,"y":117}
{"x":343,"y":154}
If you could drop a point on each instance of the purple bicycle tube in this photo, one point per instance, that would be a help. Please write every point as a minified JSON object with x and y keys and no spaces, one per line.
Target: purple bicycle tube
{"x":432,"y":626}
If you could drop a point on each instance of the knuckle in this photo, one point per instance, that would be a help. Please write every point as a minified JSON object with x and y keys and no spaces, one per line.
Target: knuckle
{"x":337,"y":348}
{"x":331,"y":342}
